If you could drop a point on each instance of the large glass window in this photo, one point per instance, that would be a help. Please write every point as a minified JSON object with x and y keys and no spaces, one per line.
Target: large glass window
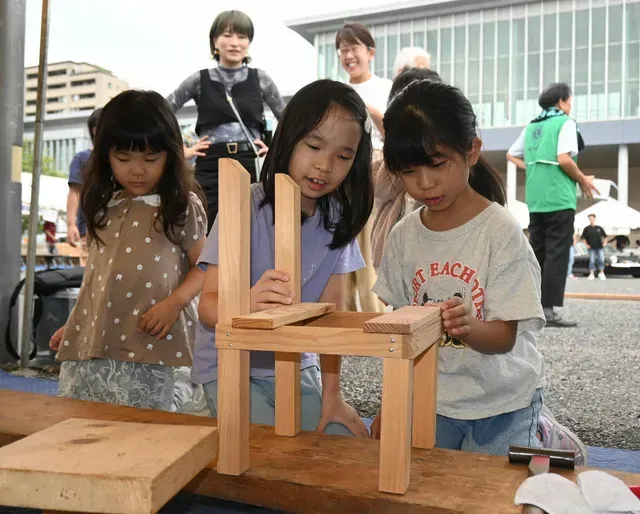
{"x":405,"y":35}
{"x":473,"y":77}
{"x":418,"y":34}
{"x":488,"y":70}
{"x":598,"y":109}
{"x":614,"y":72}
{"x":518,"y":116}
{"x":392,"y":47}
{"x":533,"y":67}
{"x":432,"y":47}
{"x":446,"y":61}
{"x":581,"y":83}
{"x":550,"y":22}
{"x":565,"y":46}
{"x":500,"y":107}
{"x":380,"y":51}
{"x":460,"y":41}
{"x":632,"y":100}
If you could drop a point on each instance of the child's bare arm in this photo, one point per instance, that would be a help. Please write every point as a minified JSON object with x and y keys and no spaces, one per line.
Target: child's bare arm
{"x":208,"y":307}
{"x":334,"y":408}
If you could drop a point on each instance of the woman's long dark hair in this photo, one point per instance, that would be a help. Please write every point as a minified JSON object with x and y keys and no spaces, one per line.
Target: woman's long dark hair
{"x":345,"y":211}
{"x":138,"y":121}
{"x":428,"y":117}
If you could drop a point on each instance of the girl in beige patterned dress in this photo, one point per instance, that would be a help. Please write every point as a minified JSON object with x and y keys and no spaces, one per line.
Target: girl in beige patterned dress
{"x":134,"y":320}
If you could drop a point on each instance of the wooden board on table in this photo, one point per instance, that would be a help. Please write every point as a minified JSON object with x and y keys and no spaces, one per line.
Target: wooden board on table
{"x":602,"y":296}
{"x":405,"y":320}
{"x":87,"y":465}
{"x":310,"y":474}
{"x":281,"y":316}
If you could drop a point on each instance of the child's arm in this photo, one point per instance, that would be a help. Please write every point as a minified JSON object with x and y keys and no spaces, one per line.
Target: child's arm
{"x":334,"y":408}
{"x":159,"y":319}
{"x":484,"y":336}
{"x":269,"y":292}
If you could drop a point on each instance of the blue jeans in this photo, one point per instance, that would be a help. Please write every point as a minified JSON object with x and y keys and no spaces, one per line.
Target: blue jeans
{"x":596,"y":259}
{"x":572,"y":256}
{"x":262,"y":391}
{"x":492,"y":435}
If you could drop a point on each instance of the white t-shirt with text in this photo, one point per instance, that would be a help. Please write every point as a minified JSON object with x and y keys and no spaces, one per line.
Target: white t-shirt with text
{"x":488,"y":263}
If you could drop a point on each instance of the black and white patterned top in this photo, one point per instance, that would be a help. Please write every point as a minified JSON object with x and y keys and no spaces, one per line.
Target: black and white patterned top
{"x":190,"y":90}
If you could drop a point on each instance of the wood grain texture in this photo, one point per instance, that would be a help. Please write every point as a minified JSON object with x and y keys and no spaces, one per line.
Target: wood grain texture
{"x":311,"y":473}
{"x":281,"y":316}
{"x":234,"y":275}
{"x":425,"y":399}
{"x":85,"y":465}
{"x":342,"y":319}
{"x":288,"y":257}
{"x":328,"y":341}
{"x":405,"y":320}
{"x":395,"y":430}
{"x":423,"y":338}
{"x":602,"y":296}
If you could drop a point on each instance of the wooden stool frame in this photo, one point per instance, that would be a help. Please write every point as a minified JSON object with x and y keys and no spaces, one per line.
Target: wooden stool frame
{"x":406,"y":339}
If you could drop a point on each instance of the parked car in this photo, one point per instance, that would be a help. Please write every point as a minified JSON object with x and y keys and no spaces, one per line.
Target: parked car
{"x":615,"y":262}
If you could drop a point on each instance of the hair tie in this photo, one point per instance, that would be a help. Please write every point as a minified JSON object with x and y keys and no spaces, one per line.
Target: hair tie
{"x":368,"y":124}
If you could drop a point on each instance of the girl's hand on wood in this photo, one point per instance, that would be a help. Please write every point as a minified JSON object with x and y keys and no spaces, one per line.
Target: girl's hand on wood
{"x":160,"y":318}
{"x":272,"y":290}
{"x":336,"y":410}
{"x":56,"y":338}
{"x":457,"y":318}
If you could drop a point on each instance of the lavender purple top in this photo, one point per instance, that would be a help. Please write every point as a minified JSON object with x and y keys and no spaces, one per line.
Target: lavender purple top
{"x":318,"y":264}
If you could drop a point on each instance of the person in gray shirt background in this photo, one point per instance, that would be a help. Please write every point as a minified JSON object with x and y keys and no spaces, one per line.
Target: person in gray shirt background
{"x":221,"y":134}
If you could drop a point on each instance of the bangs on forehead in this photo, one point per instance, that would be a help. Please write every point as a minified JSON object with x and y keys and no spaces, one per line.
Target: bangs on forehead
{"x":234,"y":22}
{"x":414,"y":142}
{"x":139,"y":132}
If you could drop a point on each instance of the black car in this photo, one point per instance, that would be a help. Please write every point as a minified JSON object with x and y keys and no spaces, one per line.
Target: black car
{"x":615,"y":262}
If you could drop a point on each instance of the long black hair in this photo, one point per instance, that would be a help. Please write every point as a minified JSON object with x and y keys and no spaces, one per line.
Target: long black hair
{"x":427,"y":117}
{"x":346,"y":210}
{"x":138,"y":121}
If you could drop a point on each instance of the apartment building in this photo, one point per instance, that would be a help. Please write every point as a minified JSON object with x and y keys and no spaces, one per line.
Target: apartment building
{"x":72,"y":86}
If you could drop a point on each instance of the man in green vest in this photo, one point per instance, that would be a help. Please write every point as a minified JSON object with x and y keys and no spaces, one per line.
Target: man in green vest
{"x":548,"y":149}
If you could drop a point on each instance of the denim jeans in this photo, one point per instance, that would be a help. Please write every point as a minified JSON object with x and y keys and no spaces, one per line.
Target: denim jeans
{"x":596,"y":259}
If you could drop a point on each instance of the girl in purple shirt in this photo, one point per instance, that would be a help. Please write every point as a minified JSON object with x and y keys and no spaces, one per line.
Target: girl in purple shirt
{"x":324,"y":144}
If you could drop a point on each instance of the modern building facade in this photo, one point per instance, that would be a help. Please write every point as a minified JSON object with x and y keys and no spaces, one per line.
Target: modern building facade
{"x":72,"y":86}
{"x":502,"y":54}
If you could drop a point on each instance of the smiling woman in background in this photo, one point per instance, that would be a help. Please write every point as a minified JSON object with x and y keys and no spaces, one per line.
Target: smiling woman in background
{"x":221,"y":133}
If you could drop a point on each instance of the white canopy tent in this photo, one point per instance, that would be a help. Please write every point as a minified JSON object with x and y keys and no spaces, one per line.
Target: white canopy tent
{"x":520,"y":212}
{"x":614,"y":217}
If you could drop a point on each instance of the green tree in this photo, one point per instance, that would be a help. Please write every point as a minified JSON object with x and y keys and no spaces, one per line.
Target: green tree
{"x":48,"y":166}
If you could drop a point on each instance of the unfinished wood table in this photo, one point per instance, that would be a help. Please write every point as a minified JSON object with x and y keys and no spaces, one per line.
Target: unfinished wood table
{"x":407,"y":339}
{"x":310,"y":473}
{"x":88,"y":465}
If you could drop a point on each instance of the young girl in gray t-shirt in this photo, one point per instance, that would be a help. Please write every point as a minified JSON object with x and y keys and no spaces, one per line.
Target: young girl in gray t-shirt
{"x":467,"y":253}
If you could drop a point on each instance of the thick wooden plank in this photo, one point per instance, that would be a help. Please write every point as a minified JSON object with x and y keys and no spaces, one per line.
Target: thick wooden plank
{"x":234,"y":279}
{"x":602,"y":296}
{"x":405,"y":320}
{"x":395,"y":431}
{"x":423,"y":338}
{"x":310,"y":474}
{"x":328,"y":341}
{"x":425,"y":398}
{"x":288,"y":257}
{"x":342,"y":319}
{"x":103,"y":466}
{"x":281,"y":316}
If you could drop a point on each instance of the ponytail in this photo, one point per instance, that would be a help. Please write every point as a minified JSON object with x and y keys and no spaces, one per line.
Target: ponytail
{"x":485,"y":180}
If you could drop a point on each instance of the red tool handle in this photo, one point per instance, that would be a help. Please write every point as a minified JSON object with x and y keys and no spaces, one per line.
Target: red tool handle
{"x":635,"y":490}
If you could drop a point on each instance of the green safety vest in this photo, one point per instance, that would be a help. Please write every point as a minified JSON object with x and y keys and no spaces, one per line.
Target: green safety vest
{"x":548,"y":188}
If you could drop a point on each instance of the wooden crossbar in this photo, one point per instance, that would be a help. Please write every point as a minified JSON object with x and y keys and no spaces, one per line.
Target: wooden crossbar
{"x":281,"y":316}
{"x":404,"y":320}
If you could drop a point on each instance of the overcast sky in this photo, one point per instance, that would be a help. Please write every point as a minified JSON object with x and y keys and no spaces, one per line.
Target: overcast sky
{"x":155,"y":44}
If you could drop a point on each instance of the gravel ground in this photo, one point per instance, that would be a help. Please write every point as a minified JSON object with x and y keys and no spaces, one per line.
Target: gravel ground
{"x":593,"y":371}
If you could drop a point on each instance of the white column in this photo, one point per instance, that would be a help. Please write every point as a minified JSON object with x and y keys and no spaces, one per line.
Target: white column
{"x":512,"y":182}
{"x":623,"y":174}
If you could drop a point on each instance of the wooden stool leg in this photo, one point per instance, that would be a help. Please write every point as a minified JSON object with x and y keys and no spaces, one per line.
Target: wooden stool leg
{"x":425,"y":398}
{"x":233,"y":411}
{"x":288,"y":259}
{"x":288,"y":394}
{"x":395,"y":437}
